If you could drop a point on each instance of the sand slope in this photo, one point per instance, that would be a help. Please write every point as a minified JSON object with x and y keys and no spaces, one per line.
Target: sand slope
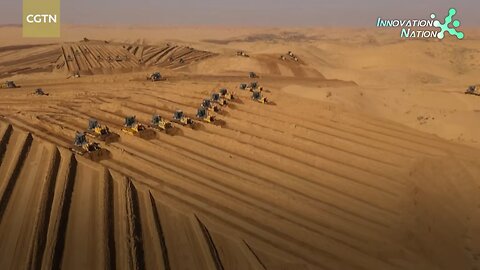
{"x":305,"y":182}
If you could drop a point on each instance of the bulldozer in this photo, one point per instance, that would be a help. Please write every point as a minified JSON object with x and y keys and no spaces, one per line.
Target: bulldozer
{"x":40,"y":92}
{"x":252,"y":86}
{"x":132,"y":127}
{"x":203,"y":115}
{"x":243,"y":86}
{"x":253,"y":75}
{"x":91,"y":150}
{"x":100,"y":132}
{"x":155,"y":77}
{"x":160,"y":123}
{"x":179,"y":117}
{"x":217,"y":98}
{"x":242,"y":53}
{"x":9,"y":84}
{"x":207,"y":104}
{"x":257,"y":96}
{"x":226,"y":94}
{"x":473,"y":90}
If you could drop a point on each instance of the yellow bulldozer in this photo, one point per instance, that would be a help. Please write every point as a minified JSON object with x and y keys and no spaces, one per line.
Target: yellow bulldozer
{"x":9,"y":84}
{"x":473,"y":90}
{"x":90,"y":150}
{"x":100,"y":132}
{"x":132,"y":127}
{"x":257,"y":96}
{"x":181,"y":118}
{"x":217,"y":98}
{"x":160,"y":123}
{"x":207,"y":104}
{"x":226,"y":94}
{"x":203,"y":115}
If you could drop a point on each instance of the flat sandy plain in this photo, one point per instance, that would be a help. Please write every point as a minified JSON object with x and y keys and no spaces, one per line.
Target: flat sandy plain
{"x":367,"y":158}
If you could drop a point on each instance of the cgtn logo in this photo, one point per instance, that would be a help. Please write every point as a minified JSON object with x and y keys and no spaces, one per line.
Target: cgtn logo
{"x":425,"y":28}
{"x":41,"y":18}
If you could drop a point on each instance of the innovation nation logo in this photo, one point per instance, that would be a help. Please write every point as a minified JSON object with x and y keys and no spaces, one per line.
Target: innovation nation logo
{"x":424,"y":28}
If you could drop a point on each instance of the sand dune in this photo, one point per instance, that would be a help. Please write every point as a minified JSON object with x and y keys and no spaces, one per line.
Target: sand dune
{"x":331,"y":175}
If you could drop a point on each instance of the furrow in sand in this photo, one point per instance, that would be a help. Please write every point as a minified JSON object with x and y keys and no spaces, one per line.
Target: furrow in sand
{"x":16,"y":227}
{"x":6,"y":133}
{"x":128,"y":231}
{"x":259,"y":177}
{"x":308,"y":245}
{"x":259,"y":201}
{"x":58,"y":220}
{"x":43,"y":211}
{"x":211,"y":245}
{"x":86,"y":217}
{"x":10,"y":170}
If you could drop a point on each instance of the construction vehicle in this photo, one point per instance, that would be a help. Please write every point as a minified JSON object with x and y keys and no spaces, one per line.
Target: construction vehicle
{"x":217,"y":98}
{"x":160,"y":123}
{"x":226,"y":94}
{"x":243,"y":86}
{"x":40,"y":92}
{"x":253,"y":75}
{"x":179,"y":117}
{"x":257,"y":96}
{"x":132,"y":127}
{"x":242,"y":53}
{"x":155,"y":77}
{"x":83,"y":147}
{"x":473,"y":90}
{"x":203,"y":115}
{"x":207,"y":104}
{"x":9,"y":84}
{"x":252,"y":86}
{"x":100,"y":132}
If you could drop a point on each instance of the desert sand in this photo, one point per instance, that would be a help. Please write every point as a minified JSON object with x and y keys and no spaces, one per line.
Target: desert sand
{"x":367,"y":156}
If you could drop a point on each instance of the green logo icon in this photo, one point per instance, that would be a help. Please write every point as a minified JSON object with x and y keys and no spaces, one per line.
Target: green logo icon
{"x":445,"y":26}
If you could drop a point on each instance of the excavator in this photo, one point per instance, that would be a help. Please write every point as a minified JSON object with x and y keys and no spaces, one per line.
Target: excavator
{"x":179,"y":117}
{"x":160,"y":123}
{"x":219,"y":99}
{"x":132,"y":127}
{"x":100,"y":132}
{"x":83,"y":147}
{"x":207,"y":104}
{"x":257,"y":96}
{"x":243,"y":86}
{"x":155,"y":77}
{"x":226,"y":94}
{"x":9,"y":84}
{"x":203,"y":115}
{"x":253,"y":75}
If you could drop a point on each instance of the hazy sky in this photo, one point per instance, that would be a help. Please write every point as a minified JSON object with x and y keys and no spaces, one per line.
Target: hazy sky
{"x":247,"y":12}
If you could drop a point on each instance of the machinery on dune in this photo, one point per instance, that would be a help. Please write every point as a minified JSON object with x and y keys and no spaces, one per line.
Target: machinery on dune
{"x":217,"y":98}
{"x":160,"y":123}
{"x":155,"y":77}
{"x":257,"y":96}
{"x":40,"y":92}
{"x":203,"y":115}
{"x":9,"y":84}
{"x":473,"y":90}
{"x":242,"y":53}
{"x":290,"y":55}
{"x":179,"y":117}
{"x":252,"y":75}
{"x":83,"y":147}
{"x":100,"y":132}
{"x":252,"y":86}
{"x":132,"y":127}
{"x":243,"y":86}
{"x":226,"y":94}
{"x":207,"y":104}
